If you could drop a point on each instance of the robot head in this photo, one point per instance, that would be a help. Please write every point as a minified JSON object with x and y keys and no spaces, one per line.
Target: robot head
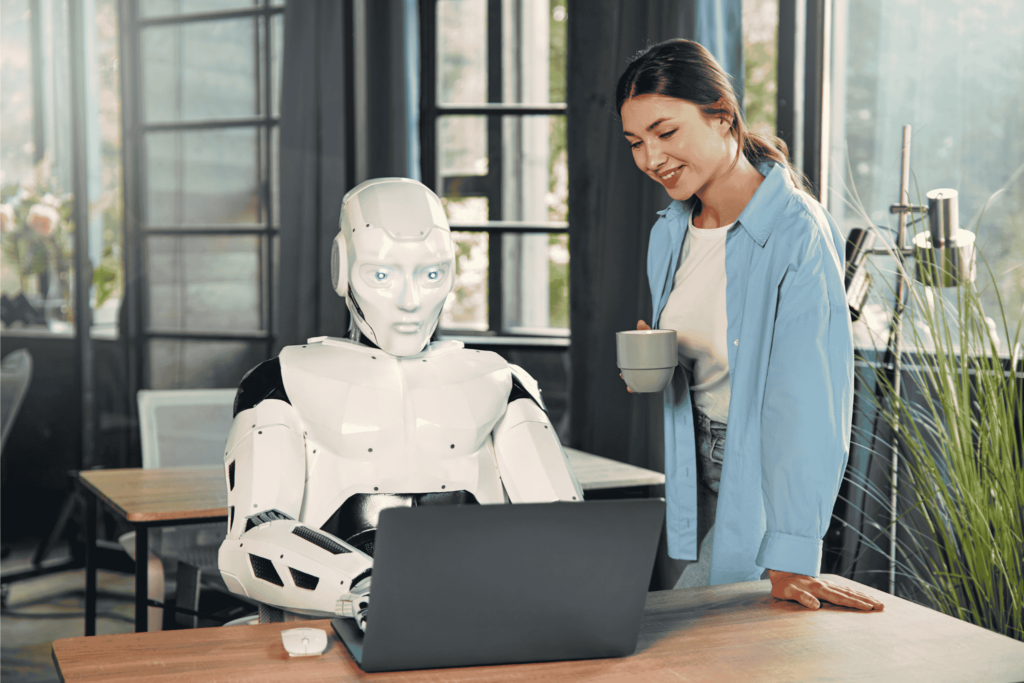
{"x":393,"y":261}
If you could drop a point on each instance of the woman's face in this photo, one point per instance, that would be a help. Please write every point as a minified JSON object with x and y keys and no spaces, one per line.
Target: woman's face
{"x":675,"y":144}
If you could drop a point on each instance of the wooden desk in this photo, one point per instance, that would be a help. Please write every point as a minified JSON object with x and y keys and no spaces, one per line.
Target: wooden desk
{"x":736,"y":632}
{"x":192,"y":495}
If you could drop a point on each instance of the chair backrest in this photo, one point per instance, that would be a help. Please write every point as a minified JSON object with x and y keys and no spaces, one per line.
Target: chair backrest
{"x":15,"y":375}
{"x":184,"y":427}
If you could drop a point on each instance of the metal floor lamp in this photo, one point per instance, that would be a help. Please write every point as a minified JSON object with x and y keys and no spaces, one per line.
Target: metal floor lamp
{"x":944,"y":256}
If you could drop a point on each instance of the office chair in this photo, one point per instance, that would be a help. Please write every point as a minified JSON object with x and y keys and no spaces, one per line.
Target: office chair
{"x":183,"y":428}
{"x":15,"y":376}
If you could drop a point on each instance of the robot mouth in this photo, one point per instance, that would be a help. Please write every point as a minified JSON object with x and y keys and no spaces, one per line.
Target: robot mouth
{"x":407,"y":328}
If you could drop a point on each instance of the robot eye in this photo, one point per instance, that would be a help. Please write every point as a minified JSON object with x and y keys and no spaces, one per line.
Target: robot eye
{"x":433,"y":276}
{"x":376,"y":275}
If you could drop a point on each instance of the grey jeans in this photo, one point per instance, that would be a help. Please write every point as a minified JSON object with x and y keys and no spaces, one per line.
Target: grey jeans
{"x":710,"y":449}
{"x":710,"y":436}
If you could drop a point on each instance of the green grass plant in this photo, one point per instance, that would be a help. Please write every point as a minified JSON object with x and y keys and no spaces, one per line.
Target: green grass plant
{"x":960,"y":541}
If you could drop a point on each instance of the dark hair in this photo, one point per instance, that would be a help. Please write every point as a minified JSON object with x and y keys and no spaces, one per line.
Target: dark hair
{"x":685,"y":70}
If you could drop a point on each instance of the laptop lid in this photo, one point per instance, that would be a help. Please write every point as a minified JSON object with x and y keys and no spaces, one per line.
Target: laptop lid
{"x":468,"y":585}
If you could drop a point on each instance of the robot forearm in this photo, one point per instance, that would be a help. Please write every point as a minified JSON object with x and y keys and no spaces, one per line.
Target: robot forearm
{"x":287,"y":564}
{"x":268,"y":555}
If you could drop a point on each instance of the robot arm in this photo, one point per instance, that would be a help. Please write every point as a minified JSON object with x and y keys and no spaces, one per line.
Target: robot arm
{"x":267,"y":555}
{"x":532,"y":464}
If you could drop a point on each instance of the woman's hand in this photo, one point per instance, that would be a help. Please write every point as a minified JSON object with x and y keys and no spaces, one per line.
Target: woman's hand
{"x":809,"y":591}
{"x":640,"y":325}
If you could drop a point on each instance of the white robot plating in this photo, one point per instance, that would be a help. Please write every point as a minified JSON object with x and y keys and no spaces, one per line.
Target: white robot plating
{"x":333,"y":431}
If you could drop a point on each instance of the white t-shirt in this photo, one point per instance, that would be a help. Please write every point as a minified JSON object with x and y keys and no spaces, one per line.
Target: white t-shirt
{"x":696,"y":311}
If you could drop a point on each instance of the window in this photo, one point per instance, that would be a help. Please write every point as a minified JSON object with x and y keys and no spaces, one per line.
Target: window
{"x":760,"y":64}
{"x":206,"y":106}
{"x":954,"y":71}
{"x":493,"y":148}
{"x":38,"y":171}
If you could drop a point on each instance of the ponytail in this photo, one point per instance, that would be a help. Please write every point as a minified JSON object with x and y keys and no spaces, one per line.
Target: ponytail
{"x":760,"y":147}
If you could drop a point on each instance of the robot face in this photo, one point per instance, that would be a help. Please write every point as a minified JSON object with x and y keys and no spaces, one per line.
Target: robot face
{"x":400,"y":287}
{"x":395,"y":261}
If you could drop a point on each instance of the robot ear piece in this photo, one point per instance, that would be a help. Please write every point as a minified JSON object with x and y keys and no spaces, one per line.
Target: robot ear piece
{"x":339,"y":265}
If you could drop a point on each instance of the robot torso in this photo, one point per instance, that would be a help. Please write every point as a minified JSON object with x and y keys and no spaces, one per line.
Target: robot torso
{"x":379,"y":424}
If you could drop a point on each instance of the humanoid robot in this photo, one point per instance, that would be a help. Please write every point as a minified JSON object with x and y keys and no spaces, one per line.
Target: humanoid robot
{"x":335,"y":430}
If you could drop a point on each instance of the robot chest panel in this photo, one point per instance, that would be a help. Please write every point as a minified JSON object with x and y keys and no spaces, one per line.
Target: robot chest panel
{"x":389,"y":408}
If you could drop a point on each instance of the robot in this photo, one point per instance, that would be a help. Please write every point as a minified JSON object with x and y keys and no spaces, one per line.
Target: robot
{"x":333,"y":431}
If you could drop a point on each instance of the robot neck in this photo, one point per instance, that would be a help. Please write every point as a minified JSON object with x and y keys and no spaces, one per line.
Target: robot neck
{"x":357,"y":336}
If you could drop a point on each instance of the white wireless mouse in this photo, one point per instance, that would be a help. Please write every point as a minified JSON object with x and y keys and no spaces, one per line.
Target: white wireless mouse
{"x":304,"y":642}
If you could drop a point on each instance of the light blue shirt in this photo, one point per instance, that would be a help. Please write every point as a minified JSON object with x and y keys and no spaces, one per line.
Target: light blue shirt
{"x":791,"y":377}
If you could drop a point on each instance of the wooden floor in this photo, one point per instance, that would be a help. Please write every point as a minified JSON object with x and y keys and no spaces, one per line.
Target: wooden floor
{"x":43,"y":609}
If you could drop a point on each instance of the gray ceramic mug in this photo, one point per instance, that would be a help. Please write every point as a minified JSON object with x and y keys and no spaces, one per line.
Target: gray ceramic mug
{"x":647,"y":358}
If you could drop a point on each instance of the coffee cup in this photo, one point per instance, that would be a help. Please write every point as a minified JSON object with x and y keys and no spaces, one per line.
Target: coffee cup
{"x":647,"y":358}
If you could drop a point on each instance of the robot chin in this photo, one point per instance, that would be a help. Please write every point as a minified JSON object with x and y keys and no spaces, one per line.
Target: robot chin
{"x":403,"y":344}
{"x":394,"y":342}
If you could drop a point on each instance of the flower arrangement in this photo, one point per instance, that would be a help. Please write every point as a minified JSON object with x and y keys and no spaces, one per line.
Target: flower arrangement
{"x":37,"y":245}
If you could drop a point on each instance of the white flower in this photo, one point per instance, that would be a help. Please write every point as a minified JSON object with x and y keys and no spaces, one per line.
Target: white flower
{"x":50,"y":200}
{"x":43,"y":219}
{"x":7,"y":218}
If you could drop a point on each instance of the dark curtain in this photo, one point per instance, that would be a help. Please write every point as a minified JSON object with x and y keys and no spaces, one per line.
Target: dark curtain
{"x":612,"y":207}
{"x":720,"y":29}
{"x":344,"y":119}
{"x":390,"y":55}
{"x":317,"y":165}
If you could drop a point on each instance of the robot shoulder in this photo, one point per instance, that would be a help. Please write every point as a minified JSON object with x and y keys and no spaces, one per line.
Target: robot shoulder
{"x":524,"y":386}
{"x":262,"y":382}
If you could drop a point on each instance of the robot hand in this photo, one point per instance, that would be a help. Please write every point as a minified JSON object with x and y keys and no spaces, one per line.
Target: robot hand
{"x":355,"y":603}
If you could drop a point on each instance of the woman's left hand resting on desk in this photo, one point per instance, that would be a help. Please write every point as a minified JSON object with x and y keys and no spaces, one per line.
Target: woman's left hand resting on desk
{"x":809,"y":591}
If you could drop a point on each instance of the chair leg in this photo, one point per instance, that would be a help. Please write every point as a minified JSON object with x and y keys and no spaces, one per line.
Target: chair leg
{"x":187,"y":594}
{"x":67,"y":510}
{"x":155,"y":571}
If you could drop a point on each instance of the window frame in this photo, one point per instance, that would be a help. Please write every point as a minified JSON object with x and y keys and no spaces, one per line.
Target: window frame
{"x":137,"y":230}
{"x":490,"y":185}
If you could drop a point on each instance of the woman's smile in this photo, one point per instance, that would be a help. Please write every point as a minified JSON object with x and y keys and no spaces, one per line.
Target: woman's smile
{"x":670,"y":177}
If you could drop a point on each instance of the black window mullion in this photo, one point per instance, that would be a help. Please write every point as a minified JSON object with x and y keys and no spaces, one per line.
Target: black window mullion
{"x":495,"y":171}
{"x":208,"y":230}
{"x":262,"y":171}
{"x":131,"y":326}
{"x":209,"y":124}
{"x":428,"y":96}
{"x":268,"y":282}
{"x":195,"y":18}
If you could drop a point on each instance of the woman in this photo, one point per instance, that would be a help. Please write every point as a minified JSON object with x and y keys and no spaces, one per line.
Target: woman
{"x":746,"y":267}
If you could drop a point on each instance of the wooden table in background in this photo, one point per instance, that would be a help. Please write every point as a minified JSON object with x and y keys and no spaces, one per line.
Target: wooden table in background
{"x":736,"y":632}
{"x":191,"y":495}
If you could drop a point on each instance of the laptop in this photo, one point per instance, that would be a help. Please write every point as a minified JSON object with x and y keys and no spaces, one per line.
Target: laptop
{"x":470,"y":585}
